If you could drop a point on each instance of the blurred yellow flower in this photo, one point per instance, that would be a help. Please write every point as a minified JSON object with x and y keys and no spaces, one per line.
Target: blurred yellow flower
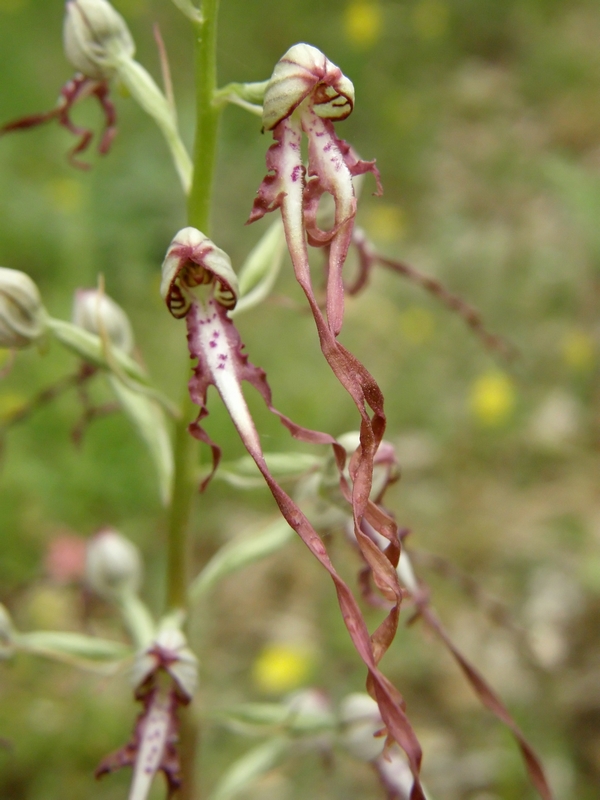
{"x":430,"y":19}
{"x":282,"y":668}
{"x":363,"y":23}
{"x":493,"y":398}
{"x":65,"y":194}
{"x":417,"y":325}
{"x":385,"y":222}
{"x":578,"y":350}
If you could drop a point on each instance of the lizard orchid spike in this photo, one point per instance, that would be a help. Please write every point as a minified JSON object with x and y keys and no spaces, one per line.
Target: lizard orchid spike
{"x":306,"y":93}
{"x":198,"y":283}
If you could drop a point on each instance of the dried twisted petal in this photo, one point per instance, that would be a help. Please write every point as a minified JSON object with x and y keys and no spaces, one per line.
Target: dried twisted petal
{"x":301,"y":72}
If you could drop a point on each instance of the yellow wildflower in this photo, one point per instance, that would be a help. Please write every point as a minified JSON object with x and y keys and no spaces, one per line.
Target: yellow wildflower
{"x":282,"y":667}
{"x":362,"y":23}
{"x":493,"y":398}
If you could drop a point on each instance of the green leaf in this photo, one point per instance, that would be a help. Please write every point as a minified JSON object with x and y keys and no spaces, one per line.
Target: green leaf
{"x":149,"y":421}
{"x":251,"y":766}
{"x":74,"y":648}
{"x":240,"y":553}
{"x":91,"y":348}
{"x":260,"y":270}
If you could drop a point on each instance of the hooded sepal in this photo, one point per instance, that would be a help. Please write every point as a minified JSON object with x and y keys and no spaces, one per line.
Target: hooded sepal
{"x":192,"y":261}
{"x":305,"y":94}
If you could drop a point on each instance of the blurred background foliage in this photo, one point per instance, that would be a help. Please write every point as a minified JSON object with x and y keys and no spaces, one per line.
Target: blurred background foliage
{"x":484,"y":117}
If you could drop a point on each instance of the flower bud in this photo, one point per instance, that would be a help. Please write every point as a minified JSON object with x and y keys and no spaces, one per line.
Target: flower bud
{"x":305,"y":72}
{"x":310,"y":711}
{"x":22,"y":315}
{"x":97,"y":313}
{"x":113,"y":565}
{"x":361,"y":720}
{"x":96,"y":37}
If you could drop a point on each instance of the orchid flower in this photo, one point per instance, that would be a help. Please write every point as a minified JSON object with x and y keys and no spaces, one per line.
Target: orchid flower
{"x":198,"y":283}
{"x":96,"y":38}
{"x":73,"y":92}
{"x":165,"y":676}
{"x":305,"y":94}
{"x":99,"y":45}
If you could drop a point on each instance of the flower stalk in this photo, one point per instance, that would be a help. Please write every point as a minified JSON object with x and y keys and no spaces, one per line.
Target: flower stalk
{"x":186,"y":447}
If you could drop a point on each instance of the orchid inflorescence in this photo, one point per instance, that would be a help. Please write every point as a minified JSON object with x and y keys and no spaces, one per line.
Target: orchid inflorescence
{"x":304,"y":98}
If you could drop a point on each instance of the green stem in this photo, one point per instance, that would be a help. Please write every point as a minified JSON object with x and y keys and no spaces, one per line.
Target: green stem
{"x":184,"y":488}
{"x":207,"y":119}
{"x":186,"y":448}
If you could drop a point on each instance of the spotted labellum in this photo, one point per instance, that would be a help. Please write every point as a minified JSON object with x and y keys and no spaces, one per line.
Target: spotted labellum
{"x":305,"y":95}
{"x":165,"y":677}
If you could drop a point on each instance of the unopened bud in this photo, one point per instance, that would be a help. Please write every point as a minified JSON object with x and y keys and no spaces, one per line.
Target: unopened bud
{"x":305,"y":72}
{"x":97,"y":313}
{"x":96,"y":37}
{"x":310,"y":711}
{"x":361,"y":720}
{"x":113,"y":565}
{"x":22,"y":315}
